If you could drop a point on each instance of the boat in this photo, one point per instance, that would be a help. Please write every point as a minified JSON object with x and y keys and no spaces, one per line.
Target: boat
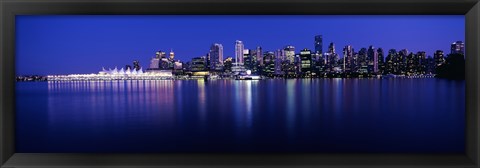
{"x":248,"y":77}
{"x":210,"y":77}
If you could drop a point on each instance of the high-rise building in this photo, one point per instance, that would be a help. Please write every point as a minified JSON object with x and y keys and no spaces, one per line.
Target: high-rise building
{"x":278,"y":61}
{"x":216,"y":56}
{"x":332,"y":57}
{"x":239,"y":48}
{"x":172,"y":54}
{"x":458,"y":47}
{"x":348,"y":58}
{"x":318,"y":44}
{"x":372,"y":59}
{"x":289,"y":53}
{"x":421,"y":63}
{"x":198,"y":64}
{"x":362,"y":57}
{"x":401,"y":63}
{"x":439,"y":58}
{"x":412,"y":63}
{"x":259,"y":55}
{"x":248,"y":60}
{"x":306,"y":62}
{"x":269,"y":61}
{"x":390,"y":61}
{"x":155,"y":61}
{"x":160,"y":54}
{"x":331,"y":48}
{"x":381,"y":57}
{"x":136,"y":65}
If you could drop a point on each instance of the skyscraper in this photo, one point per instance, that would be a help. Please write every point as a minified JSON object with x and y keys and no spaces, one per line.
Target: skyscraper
{"x":259,"y":55}
{"x":289,"y":52}
{"x":439,"y":58}
{"x":247,"y":59}
{"x":278,"y":62}
{"x":136,"y":65}
{"x":331,"y":48}
{"x":372,"y":59}
{"x":332,"y":57}
{"x":390,"y":61}
{"x":318,"y":44}
{"x":381,"y":57}
{"x":306,"y":62}
{"x":422,"y":62}
{"x":239,"y":48}
{"x":172,"y":54}
{"x":269,"y":61}
{"x":348,"y":58}
{"x":458,"y":47}
{"x":216,"y":56}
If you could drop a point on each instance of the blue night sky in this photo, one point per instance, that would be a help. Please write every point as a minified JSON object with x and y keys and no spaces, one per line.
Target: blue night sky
{"x":84,"y":44}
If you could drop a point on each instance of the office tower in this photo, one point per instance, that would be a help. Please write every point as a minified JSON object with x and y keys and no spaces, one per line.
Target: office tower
{"x":248,"y":62}
{"x":198,"y":64}
{"x":269,"y":61}
{"x":216,"y":57}
{"x":306,"y":62}
{"x":331,"y":48}
{"x":172,"y":54}
{"x":390,"y":61}
{"x":278,"y":61}
{"x":318,"y":44}
{"x":160,"y":54}
{"x":289,"y":52}
{"x":136,"y":65}
{"x":228,"y":64}
{"x":259,"y":55}
{"x":401,"y":67}
{"x":430,"y":65}
{"x":381,"y":57}
{"x":362,"y":57}
{"x":332,"y":57}
{"x":439,"y":58}
{"x":239,"y":48}
{"x":412,"y":63}
{"x":458,"y":47}
{"x":155,"y":61}
{"x":372,"y":59}
{"x":421,"y":61}
{"x":348,"y":58}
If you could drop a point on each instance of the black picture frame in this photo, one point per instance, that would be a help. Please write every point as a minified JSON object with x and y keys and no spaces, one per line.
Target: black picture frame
{"x":10,"y":8}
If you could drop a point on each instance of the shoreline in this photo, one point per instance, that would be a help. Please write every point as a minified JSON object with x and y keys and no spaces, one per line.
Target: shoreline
{"x":119,"y":78}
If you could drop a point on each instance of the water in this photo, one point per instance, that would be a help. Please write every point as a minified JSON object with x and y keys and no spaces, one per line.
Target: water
{"x":296,"y":115}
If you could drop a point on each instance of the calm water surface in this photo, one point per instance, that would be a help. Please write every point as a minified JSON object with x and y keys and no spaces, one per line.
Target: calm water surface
{"x":297,"y":115}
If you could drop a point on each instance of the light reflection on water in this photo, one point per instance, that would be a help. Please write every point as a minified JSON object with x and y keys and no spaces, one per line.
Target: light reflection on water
{"x":320,"y":115}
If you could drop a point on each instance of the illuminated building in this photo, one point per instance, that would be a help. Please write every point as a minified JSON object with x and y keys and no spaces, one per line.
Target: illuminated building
{"x":259,"y":53}
{"x":348,"y":65}
{"x":136,"y":65}
{"x":458,"y":47}
{"x":289,"y":52}
{"x":372,"y":59}
{"x":318,"y":44}
{"x":381,"y":63}
{"x":439,"y":58}
{"x":239,"y":48}
{"x":306,"y":62}
{"x":216,"y":57}
{"x":269,"y":61}
{"x":172,"y":54}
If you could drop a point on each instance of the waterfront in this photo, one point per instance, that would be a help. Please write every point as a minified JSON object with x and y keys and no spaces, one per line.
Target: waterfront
{"x":275,"y":115}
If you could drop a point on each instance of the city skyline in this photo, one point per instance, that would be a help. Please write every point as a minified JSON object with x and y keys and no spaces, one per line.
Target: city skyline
{"x":106,"y":52}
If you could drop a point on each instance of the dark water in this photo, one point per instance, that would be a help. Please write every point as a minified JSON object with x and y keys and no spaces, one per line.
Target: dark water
{"x":309,"y":115}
